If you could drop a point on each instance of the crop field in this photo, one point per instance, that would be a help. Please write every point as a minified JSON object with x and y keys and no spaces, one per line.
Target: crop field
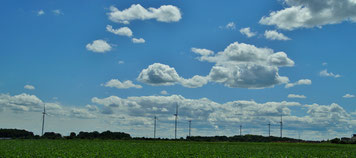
{"x":132,"y":148}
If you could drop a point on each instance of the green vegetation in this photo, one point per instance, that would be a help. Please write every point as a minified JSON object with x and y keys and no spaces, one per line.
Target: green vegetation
{"x":137,"y":148}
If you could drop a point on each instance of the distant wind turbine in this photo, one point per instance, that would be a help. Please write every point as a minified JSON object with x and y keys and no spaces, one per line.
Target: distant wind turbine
{"x":154,"y":128}
{"x":43,"y":117}
{"x":176,"y":122}
{"x":240,"y":117}
{"x":190,"y":127}
{"x":269,"y":129}
{"x":281,"y":124}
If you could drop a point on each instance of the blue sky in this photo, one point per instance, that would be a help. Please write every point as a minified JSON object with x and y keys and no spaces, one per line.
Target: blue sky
{"x":50,"y":47}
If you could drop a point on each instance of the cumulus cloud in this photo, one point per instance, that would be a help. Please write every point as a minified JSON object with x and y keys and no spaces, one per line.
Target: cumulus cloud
{"x":138,"y":40}
{"x":300,"y":82}
{"x":247,"y":66}
{"x":159,"y":74}
{"x":30,"y":103}
{"x":274,"y":35}
{"x":82,"y":113}
{"x":29,"y":87}
{"x":137,"y":113}
{"x":164,"y":92}
{"x":202,"y":52}
{"x":98,"y":46}
{"x":311,"y":13}
{"x":165,"y":13}
{"x":115,"y":83}
{"x":21,"y":102}
{"x":296,"y":96}
{"x":247,"y":32}
{"x":231,"y":26}
{"x":349,"y":96}
{"x":195,"y":82}
{"x":123,"y":31}
{"x":121,"y":62}
{"x":202,"y":109}
{"x":57,"y":12}
{"x":327,"y":116}
{"x":239,"y":65}
{"x":40,"y":12}
{"x":325,"y":73}
{"x":209,"y":114}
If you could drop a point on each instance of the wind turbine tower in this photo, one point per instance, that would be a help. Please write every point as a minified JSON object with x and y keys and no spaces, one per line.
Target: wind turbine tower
{"x":43,"y":117}
{"x":176,"y":122}
{"x":269,"y":129}
{"x":281,"y":124}
{"x":240,"y":130}
{"x":190,"y":127}
{"x":240,"y":117}
{"x":154,"y":128}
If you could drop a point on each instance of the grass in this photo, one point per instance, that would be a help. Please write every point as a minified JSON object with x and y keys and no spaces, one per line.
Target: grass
{"x":132,"y":148}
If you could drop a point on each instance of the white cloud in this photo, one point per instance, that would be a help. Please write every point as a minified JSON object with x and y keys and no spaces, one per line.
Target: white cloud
{"x":29,"y":87}
{"x":159,"y":74}
{"x":296,"y":96}
{"x":21,"y":102}
{"x":82,"y":113}
{"x":138,"y":40}
{"x":203,"y":52}
{"x":195,"y":82}
{"x":247,"y":66}
{"x":164,"y":92}
{"x":40,"y":12}
{"x":121,"y":62}
{"x":239,"y":65}
{"x":30,"y":103}
{"x":115,"y":83}
{"x":135,"y":116}
{"x":300,"y":82}
{"x":231,"y":26}
{"x":324,"y":64}
{"x":328,"y":116}
{"x":123,"y":31}
{"x":139,"y":111}
{"x":274,"y":35}
{"x":325,"y":73}
{"x":245,"y":54}
{"x":349,"y":96}
{"x":98,"y":46}
{"x":165,"y":13}
{"x":247,"y":32}
{"x":311,"y":13}
{"x":57,"y":12}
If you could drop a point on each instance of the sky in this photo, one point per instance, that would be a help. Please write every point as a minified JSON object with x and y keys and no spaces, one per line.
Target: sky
{"x":114,"y":65}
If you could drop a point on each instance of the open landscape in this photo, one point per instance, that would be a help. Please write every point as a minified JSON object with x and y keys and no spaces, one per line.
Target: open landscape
{"x":177,"y":78}
{"x":137,"y":148}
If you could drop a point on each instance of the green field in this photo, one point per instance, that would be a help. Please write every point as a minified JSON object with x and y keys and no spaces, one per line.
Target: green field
{"x":132,"y":148}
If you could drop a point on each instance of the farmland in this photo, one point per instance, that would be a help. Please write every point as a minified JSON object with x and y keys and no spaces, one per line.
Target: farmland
{"x":136,"y":148}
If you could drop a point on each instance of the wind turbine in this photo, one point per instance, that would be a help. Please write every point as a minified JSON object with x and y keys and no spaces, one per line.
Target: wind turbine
{"x":176,"y":122}
{"x":43,"y":117}
{"x":281,"y":123}
{"x":190,"y":127}
{"x":269,"y":129}
{"x":154,"y":128}
{"x":240,"y":120}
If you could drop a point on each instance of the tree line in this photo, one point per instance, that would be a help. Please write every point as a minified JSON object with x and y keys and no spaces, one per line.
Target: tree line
{"x":23,"y":134}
